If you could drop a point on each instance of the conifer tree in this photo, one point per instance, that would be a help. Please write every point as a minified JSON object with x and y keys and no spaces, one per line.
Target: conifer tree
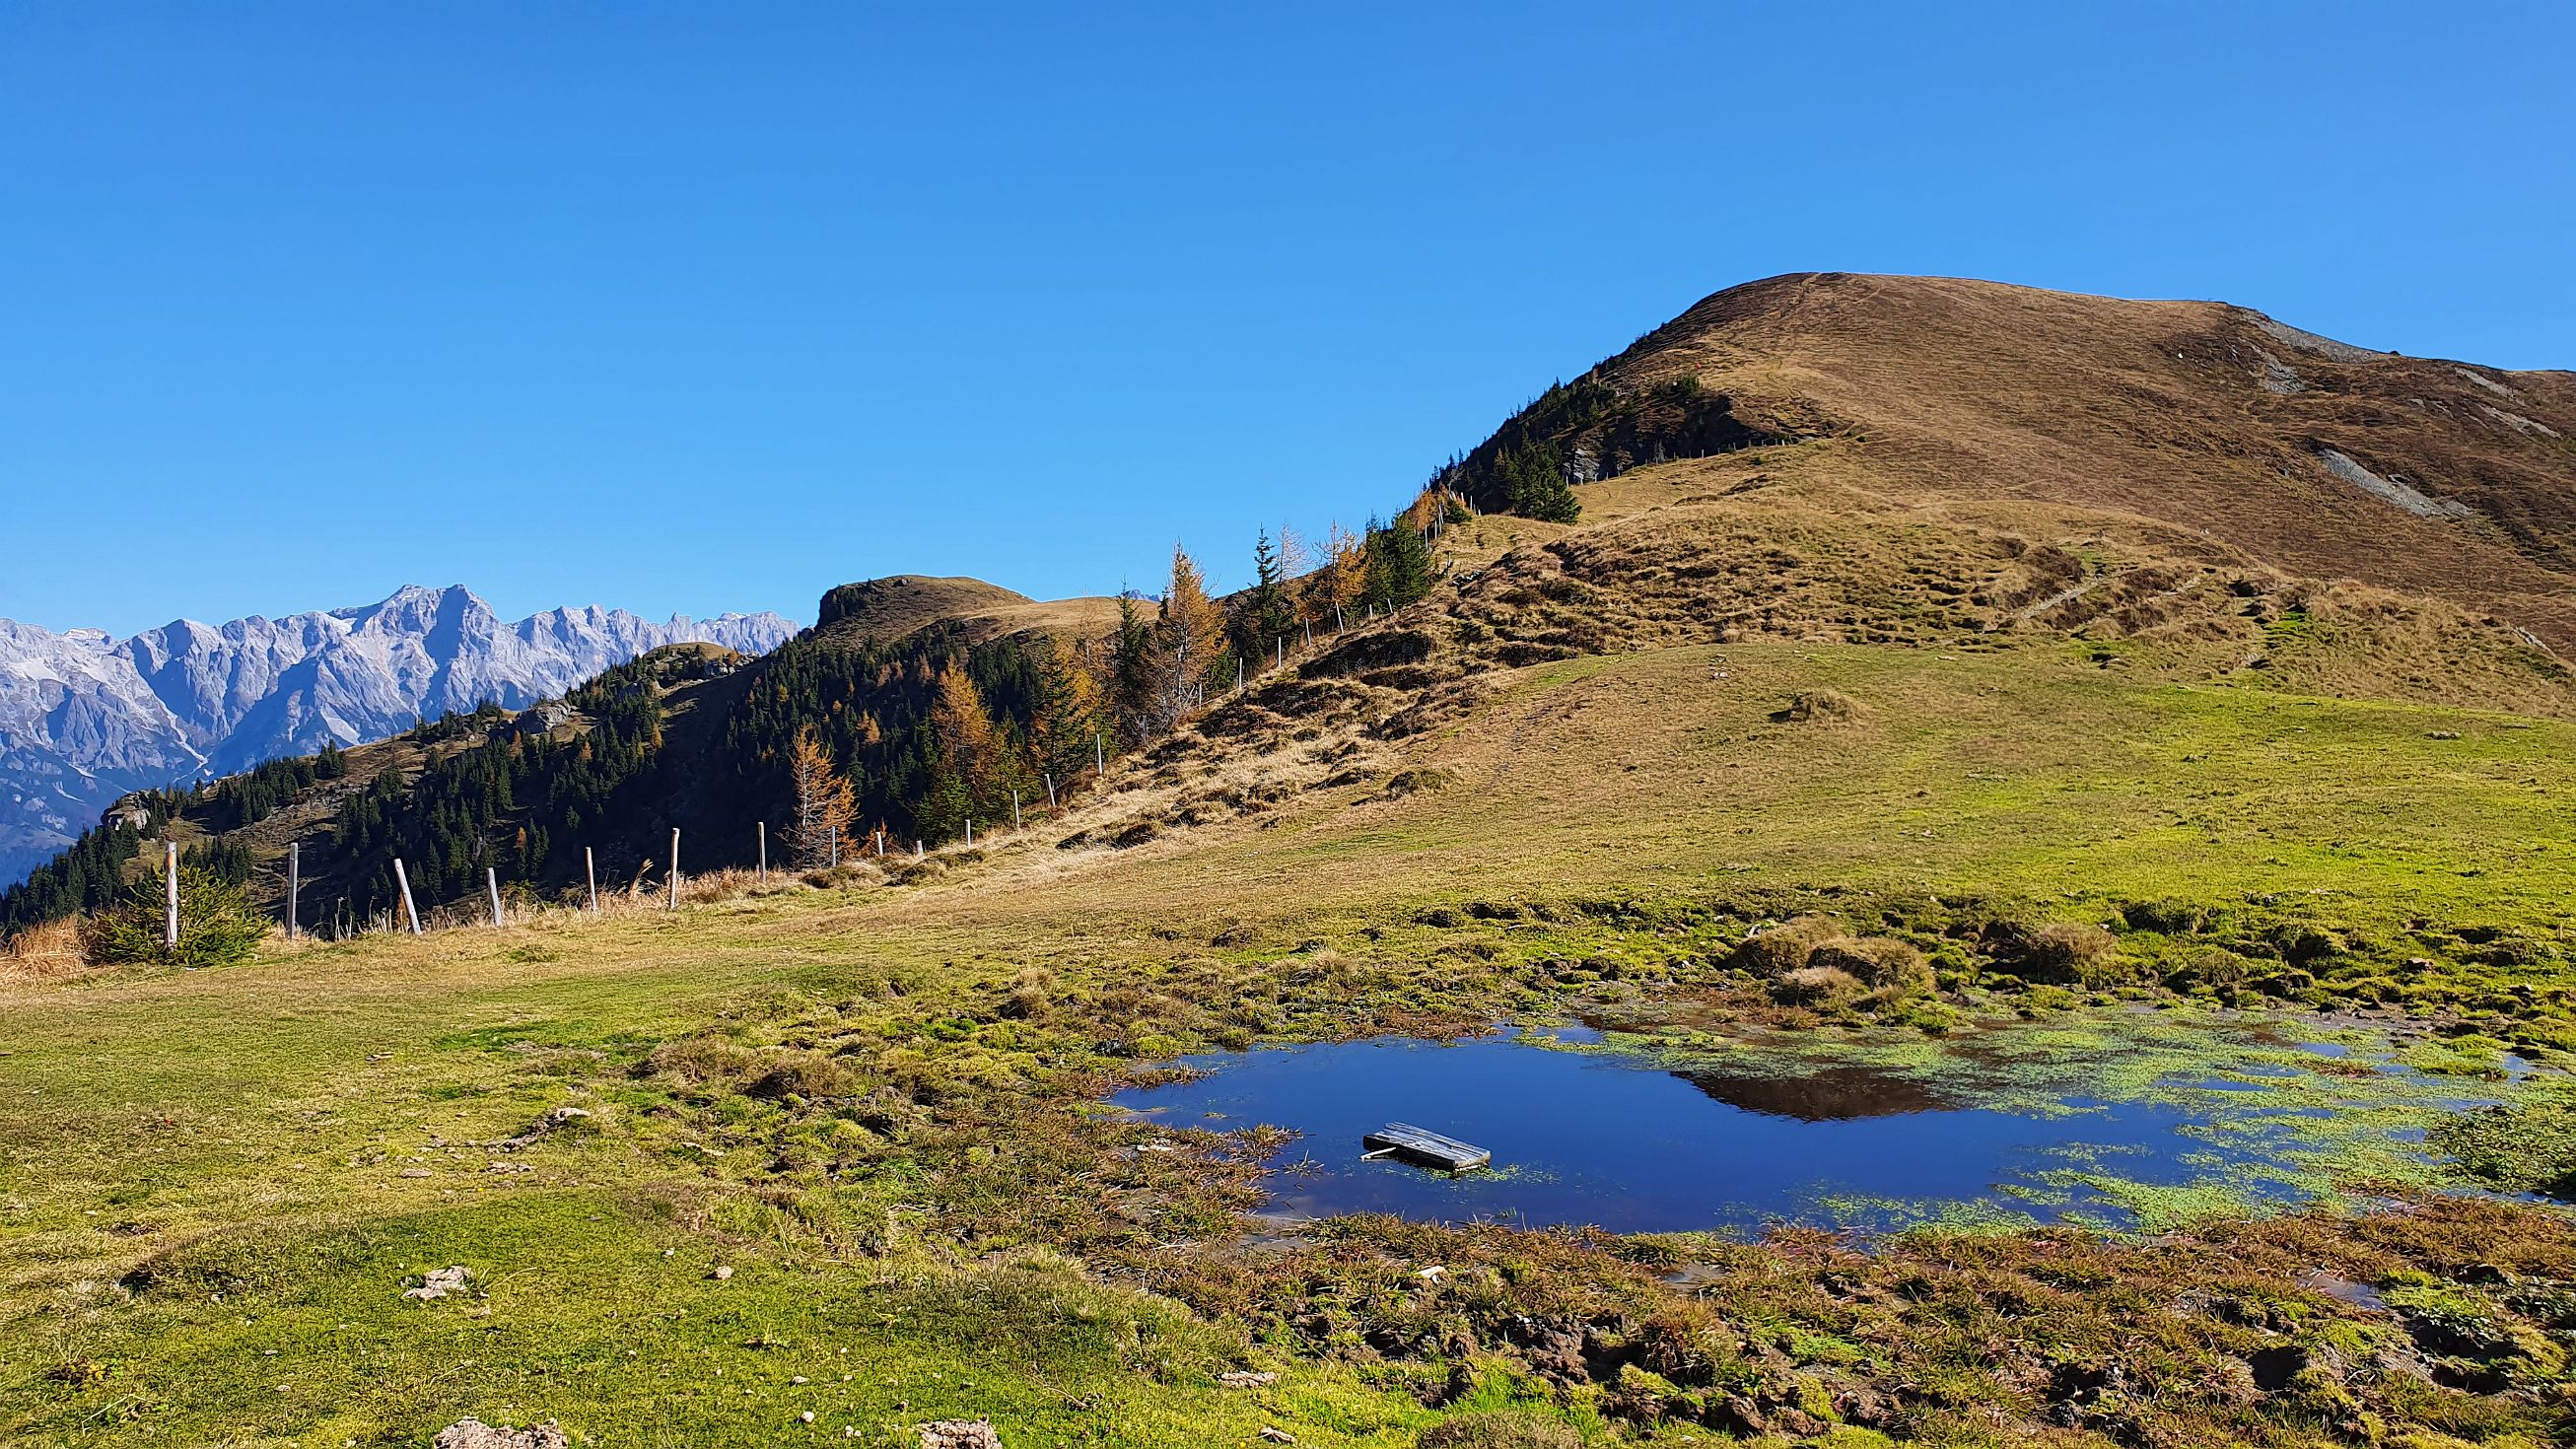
{"x":1533,"y":481}
{"x":1064,"y":713}
{"x":1265,"y":613}
{"x":1399,"y":564}
{"x":820,"y":806}
{"x":968,"y":744}
{"x":1133,"y":669}
{"x":976,"y":765}
{"x":1189,"y":641}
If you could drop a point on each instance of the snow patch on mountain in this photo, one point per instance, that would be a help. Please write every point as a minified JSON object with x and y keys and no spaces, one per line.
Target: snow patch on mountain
{"x":85,"y":717}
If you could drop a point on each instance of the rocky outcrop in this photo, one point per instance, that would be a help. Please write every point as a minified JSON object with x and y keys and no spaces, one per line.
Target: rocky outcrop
{"x":85,"y":718}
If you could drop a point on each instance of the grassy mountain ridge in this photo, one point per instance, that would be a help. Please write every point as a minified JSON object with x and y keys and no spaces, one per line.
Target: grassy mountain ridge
{"x":889,"y":608}
{"x":1858,"y":738}
{"x":2205,"y":417}
{"x":1915,"y":462}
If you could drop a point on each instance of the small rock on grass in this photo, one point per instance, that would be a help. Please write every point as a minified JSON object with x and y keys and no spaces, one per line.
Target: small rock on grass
{"x":721,"y":1273}
{"x":475,"y":1434}
{"x":1247,"y":1379}
{"x":1272,"y":1433}
{"x":960,"y":1434}
{"x":438,"y":1283}
{"x":552,"y":1122}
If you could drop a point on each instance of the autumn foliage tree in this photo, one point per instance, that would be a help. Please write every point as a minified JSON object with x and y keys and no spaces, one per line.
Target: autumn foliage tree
{"x":1065,"y":713}
{"x":1189,"y":640}
{"x":1337,"y":581}
{"x":820,"y":803}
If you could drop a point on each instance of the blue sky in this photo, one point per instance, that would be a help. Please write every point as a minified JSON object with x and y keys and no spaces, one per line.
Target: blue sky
{"x":707,"y":307}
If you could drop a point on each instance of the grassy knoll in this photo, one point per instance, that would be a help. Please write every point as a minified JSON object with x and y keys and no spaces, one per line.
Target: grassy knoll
{"x":874,"y":1104}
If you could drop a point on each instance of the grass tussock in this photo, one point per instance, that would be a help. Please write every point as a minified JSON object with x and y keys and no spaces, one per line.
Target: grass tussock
{"x":48,"y":952}
{"x":1823,"y":706}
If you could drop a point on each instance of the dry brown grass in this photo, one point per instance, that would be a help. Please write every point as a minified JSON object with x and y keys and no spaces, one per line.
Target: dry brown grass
{"x":1936,"y":387}
{"x":50,"y":952}
{"x":889,"y":608}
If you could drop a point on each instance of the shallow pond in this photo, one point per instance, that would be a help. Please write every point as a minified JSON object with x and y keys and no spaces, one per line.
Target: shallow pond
{"x":2119,"y":1123}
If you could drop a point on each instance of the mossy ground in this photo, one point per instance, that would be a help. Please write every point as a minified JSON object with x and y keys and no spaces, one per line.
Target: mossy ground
{"x":874,"y":1105}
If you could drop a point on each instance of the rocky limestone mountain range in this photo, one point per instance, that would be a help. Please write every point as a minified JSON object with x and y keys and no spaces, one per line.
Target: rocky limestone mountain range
{"x":85,"y":717}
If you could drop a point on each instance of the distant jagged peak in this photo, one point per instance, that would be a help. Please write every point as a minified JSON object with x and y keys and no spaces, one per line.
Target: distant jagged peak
{"x":112,"y":715}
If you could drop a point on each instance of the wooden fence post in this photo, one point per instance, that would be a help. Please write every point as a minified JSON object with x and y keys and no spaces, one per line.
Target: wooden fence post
{"x":170,"y":896}
{"x":294,"y":879}
{"x":970,"y":835}
{"x":492,"y":883}
{"x":763,"y":828}
{"x":590,"y":873}
{"x":411,"y":912}
{"x":1050,"y":784}
{"x":675,"y":867}
{"x":1015,"y":809}
{"x":880,"y":843}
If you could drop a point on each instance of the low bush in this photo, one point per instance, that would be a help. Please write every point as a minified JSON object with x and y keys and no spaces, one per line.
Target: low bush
{"x":1823,"y":706}
{"x":1819,"y":986}
{"x":2165,"y":917}
{"x":2062,"y":953}
{"x":1889,"y":968}
{"x":2208,"y":968}
{"x":1786,"y":947}
{"x":217,"y":925}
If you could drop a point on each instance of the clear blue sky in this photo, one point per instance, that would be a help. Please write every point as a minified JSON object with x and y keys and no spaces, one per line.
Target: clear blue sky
{"x":698,"y":307}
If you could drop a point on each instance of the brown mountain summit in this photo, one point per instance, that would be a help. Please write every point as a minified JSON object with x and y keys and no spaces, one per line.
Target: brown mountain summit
{"x":2311,"y":456}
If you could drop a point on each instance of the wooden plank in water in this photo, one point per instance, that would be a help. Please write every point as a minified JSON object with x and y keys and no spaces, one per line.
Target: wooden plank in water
{"x":1429,"y":1148}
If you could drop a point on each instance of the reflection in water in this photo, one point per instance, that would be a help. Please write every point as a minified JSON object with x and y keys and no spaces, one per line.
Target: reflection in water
{"x":1828,"y":1094}
{"x":1623,"y":1142}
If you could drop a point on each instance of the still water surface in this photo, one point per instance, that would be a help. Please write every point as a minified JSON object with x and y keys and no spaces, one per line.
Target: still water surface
{"x":1637,"y":1143}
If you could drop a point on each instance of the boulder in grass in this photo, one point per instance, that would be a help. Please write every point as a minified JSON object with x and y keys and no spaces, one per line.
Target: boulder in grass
{"x":475,"y":1434}
{"x":960,"y":1434}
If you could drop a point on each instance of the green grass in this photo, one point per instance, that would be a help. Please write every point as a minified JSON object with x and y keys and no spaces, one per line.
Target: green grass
{"x":872,"y":1104}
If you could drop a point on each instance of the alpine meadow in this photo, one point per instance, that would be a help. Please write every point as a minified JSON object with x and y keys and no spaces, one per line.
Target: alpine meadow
{"x":1214,"y":820}
{"x":1776,"y":703}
